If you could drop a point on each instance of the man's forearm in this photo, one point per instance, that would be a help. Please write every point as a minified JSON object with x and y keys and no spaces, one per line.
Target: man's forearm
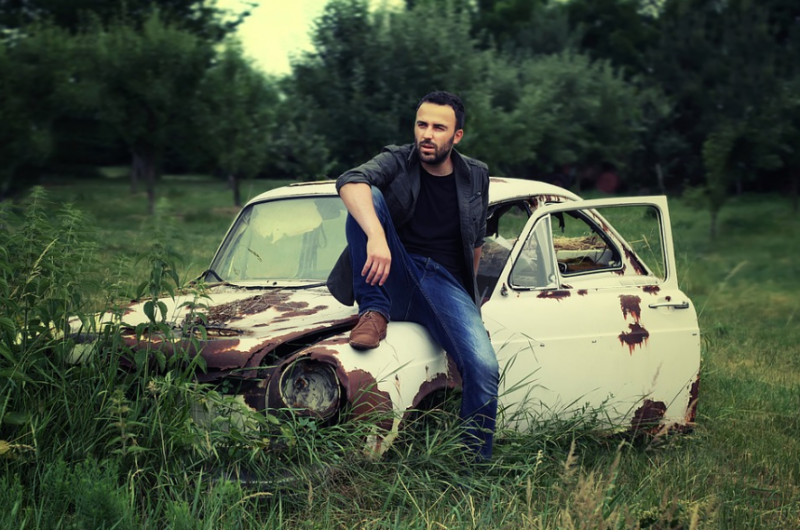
{"x":357,"y":198}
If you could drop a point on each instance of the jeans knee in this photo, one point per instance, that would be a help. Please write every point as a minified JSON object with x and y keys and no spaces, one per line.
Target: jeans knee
{"x":381,"y":208}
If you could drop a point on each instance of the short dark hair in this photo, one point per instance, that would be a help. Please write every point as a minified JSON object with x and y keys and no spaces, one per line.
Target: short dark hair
{"x":446,"y":98}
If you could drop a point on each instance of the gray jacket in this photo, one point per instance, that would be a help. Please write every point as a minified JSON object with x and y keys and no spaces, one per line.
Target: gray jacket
{"x":395,"y":171}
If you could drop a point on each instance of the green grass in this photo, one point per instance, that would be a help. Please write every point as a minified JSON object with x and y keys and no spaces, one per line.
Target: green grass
{"x":193,"y":213}
{"x":99,"y":449}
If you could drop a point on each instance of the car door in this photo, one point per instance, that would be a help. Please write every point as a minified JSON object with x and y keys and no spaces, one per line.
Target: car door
{"x":584,"y":320}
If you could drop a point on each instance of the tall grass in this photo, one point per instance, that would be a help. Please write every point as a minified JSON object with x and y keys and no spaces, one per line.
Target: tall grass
{"x":94,"y":445}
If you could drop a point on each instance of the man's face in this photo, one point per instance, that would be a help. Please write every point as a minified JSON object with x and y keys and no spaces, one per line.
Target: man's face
{"x":435,"y":132}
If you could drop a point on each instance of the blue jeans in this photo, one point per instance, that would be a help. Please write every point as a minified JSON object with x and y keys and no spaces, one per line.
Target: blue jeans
{"x":420,"y":290}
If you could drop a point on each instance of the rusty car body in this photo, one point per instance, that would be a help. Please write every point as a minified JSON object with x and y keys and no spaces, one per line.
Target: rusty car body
{"x":580,"y":298}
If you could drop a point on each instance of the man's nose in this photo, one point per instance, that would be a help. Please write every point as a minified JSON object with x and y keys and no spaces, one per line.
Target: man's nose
{"x":427,"y":132}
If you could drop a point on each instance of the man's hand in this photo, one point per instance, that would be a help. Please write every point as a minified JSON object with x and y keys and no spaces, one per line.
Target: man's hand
{"x":379,"y":259}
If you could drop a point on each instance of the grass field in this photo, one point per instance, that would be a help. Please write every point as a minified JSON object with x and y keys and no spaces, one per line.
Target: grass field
{"x":86,"y":447}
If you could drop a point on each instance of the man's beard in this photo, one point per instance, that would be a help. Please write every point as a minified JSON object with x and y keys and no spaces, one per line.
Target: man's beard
{"x":439,"y":155}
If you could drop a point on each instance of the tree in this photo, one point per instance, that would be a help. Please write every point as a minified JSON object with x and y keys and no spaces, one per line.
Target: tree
{"x":148,"y":79}
{"x":525,"y":27}
{"x":201,"y":17}
{"x":362,"y":82}
{"x":237,"y":105}
{"x":556,"y":110}
{"x":721,"y":65}
{"x":37,"y":85}
{"x":616,"y":30}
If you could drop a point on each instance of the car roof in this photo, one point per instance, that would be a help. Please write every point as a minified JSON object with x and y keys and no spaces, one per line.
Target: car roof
{"x":500,"y":190}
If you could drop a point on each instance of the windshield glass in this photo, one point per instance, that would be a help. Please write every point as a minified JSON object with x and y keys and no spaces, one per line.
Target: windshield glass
{"x":288,"y":239}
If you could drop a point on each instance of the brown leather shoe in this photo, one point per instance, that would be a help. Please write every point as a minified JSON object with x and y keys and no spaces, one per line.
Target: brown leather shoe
{"x":369,"y":331}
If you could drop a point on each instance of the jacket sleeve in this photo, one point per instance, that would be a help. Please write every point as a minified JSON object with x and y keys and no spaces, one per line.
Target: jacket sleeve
{"x":480,"y":233}
{"x":378,"y":172}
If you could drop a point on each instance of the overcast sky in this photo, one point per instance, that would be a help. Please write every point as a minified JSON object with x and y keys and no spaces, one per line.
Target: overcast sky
{"x":277,"y":29}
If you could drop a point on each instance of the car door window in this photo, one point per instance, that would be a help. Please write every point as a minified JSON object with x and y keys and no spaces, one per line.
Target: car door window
{"x":581,"y":245}
{"x":503,"y":228}
{"x":535,"y":265}
{"x":639,"y":227}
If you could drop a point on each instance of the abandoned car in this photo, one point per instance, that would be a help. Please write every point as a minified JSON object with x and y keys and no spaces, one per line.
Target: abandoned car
{"x":580,"y":299}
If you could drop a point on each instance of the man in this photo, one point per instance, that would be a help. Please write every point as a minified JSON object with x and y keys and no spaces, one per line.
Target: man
{"x":415,"y":230}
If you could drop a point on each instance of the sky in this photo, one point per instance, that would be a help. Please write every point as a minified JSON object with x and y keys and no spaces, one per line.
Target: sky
{"x":278,"y":29}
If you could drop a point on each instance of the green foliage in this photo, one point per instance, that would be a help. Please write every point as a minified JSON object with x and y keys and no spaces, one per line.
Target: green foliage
{"x":204,"y":19}
{"x":235,"y":115}
{"x":524,"y":27}
{"x":368,"y":71}
{"x":560,"y":109}
{"x":38,"y":71}
{"x":147,"y":80}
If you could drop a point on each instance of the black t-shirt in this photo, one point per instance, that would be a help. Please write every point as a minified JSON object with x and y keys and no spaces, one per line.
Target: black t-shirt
{"x":434,"y":230}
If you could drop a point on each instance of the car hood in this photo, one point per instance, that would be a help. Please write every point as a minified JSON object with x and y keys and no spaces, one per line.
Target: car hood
{"x":242,"y":326}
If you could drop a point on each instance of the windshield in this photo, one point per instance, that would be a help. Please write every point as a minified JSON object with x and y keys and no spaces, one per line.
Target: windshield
{"x":288,"y":239}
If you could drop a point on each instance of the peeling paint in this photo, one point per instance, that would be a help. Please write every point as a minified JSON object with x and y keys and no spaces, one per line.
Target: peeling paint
{"x":691,"y":410}
{"x":554,"y":295}
{"x":583,"y":292}
{"x":634,"y":261}
{"x":630,"y":305}
{"x":275,"y":300}
{"x":635,"y":337}
{"x":648,"y":416}
{"x":367,"y":400}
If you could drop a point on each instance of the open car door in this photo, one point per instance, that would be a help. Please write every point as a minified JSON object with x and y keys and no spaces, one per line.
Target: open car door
{"x":587,"y":315}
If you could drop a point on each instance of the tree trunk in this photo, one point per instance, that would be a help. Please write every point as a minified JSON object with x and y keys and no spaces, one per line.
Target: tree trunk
{"x":713,"y":229}
{"x":149,"y":167}
{"x":237,"y":196}
{"x":136,"y":171}
{"x":660,"y":175}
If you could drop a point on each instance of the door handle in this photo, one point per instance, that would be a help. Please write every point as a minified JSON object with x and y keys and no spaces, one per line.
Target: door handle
{"x":676,"y":305}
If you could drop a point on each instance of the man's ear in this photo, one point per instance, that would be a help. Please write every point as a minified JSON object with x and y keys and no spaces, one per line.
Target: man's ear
{"x":457,"y":136}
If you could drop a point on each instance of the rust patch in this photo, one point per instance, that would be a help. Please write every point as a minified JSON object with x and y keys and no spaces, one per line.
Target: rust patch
{"x":668,"y":298}
{"x":223,"y":354}
{"x":219,"y":354}
{"x":497,"y":179}
{"x":450,"y":380}
{"x":651,"y":289}
{"x":582,"y":292}
{"x":258,"y":304}
{"x":648,"y":416}
{"x":554,"y":295}
{"x":565,"y":286}
{"x":694,"y":392}
{"x":635,"y":263}
{"x":367,"y":400}
{"x":635,"y":337}
{"x":337,"y":341}
{"x":620,"y":272}
{"x":630,"y":305}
